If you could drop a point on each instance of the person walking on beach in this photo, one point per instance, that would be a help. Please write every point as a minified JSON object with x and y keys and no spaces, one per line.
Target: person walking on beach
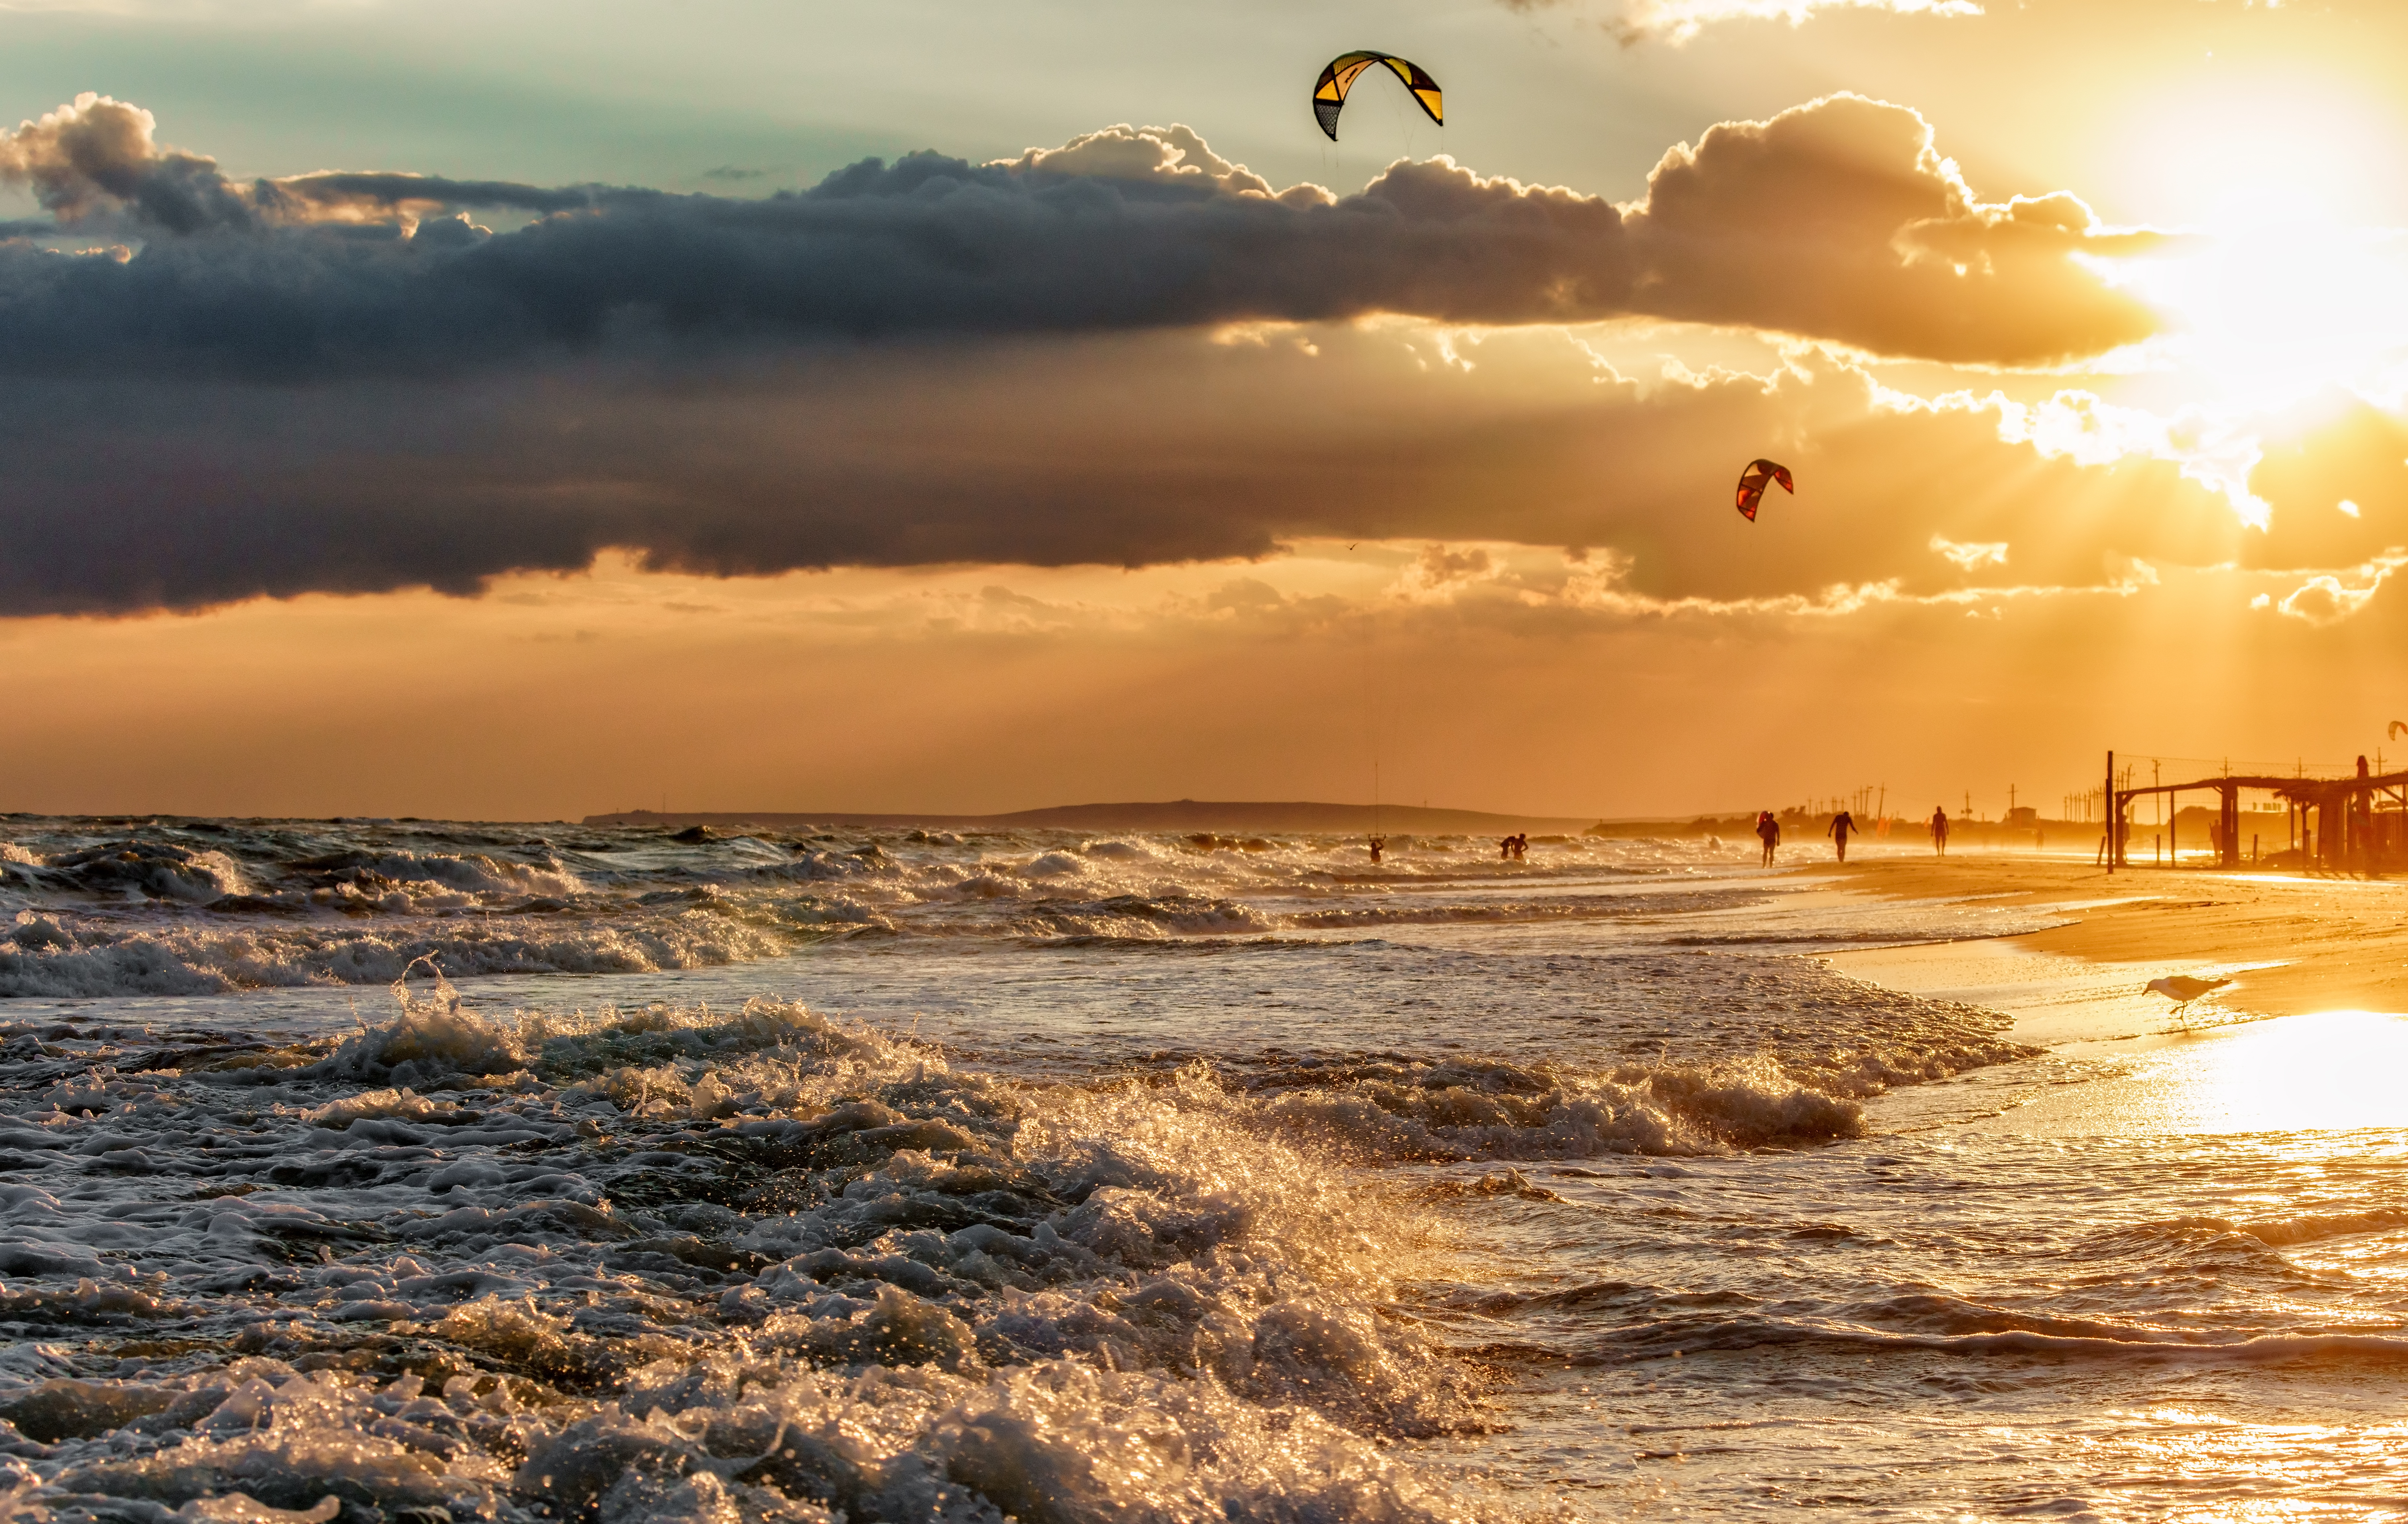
{"x":1769,"y":830}
{"x":1940,"y":831}
{"x":1842,"y":824}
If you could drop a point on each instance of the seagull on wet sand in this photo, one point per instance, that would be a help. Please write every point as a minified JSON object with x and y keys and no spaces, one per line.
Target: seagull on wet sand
{"x":2182,"y":989}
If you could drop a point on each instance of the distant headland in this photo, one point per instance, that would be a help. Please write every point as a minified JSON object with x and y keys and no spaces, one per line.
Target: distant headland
{"x":1177,"y":814}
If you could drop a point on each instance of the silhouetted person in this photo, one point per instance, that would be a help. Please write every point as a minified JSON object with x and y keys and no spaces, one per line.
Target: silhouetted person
{"x":1840,"y":825}
{"x":1521,"y":845}
{"x":1769,"y":831}
{"x":1940,"y":831}
{"x":1377,"y":844}
{"x":1505,"y":850}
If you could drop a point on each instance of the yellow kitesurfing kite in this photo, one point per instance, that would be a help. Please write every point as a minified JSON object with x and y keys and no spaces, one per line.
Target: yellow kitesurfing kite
{"x":1329,"y":93}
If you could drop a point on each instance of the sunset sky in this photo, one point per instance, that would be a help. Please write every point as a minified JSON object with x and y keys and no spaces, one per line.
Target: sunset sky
{"x":529,"y":409}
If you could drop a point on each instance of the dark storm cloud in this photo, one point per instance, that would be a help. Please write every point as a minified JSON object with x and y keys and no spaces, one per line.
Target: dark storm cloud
{"x":1836,"y":221}
{"x":1134,"y":450}
{"x":335,"y":382}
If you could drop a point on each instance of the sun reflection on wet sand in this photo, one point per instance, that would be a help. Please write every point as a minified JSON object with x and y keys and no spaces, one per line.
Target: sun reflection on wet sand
{"x":2335,"y":1071}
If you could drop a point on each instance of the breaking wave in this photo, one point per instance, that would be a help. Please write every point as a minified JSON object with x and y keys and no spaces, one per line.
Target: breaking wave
{"x":679,"y":1263}
{"x":195,"y":907}
{"x":65,"y":956}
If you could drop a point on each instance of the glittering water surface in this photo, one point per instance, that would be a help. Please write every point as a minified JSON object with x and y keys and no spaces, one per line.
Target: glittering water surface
{"x":917,"y":1176}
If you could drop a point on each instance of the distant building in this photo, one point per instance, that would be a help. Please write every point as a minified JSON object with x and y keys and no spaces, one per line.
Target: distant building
{"x":2023,"y":815}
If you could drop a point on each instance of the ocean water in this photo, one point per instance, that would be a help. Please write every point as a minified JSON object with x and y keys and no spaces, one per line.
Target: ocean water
{"x":415,"y":1172}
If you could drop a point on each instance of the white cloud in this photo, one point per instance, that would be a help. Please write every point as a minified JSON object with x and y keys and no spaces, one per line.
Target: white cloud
{"x":2329,"y":600}
{"x":1678,"y":20}
{"x":1968,"y":554}
{"x":2082,"y":427}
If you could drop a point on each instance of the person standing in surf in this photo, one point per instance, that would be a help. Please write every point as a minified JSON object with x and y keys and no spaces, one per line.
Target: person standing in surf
{"x":1940,"y":831}
{"x":1842,"y":824}
{"x":1769,"y":831}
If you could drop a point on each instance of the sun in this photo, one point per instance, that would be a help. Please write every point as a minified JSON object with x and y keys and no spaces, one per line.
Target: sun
{"x":2275,"y":283}
{"x":2278,"y":300}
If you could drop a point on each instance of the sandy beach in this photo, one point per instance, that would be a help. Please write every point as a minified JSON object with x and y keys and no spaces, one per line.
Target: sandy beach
{"x":2308,"y":1036}
{"x":2293,"y":945}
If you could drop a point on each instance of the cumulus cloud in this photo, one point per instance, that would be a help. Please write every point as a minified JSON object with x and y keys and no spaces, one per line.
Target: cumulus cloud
{"x":1793,"y":223}
{"x":1127,"y":350}
{"x":1836,"y":221}
{"x":96,"y":164}
{"x":2328,"y":598}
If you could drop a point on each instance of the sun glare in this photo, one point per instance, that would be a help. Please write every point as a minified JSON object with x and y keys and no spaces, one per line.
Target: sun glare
{"x":2276,"y":286}
{"x":2327,"y":1072}
{"x":2276,"y":299}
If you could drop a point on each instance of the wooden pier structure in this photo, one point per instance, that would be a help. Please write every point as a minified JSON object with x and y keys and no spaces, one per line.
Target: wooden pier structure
{"x":2354,"y":824}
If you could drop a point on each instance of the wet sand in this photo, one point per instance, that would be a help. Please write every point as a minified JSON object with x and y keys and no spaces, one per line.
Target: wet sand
{"x":2309,"y":1036}
{"x":2291,"y":945}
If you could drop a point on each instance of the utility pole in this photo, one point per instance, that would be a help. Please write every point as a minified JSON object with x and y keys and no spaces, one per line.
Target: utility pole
{"x":2109,"y":813}
{"x":2011,"y":799}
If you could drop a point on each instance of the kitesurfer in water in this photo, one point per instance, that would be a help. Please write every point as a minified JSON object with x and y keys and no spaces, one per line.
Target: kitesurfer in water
{"x":1939,"y":830}
{"x":1842,"y":824}
{"x":1769,"y":831}
{"x":1378,"y":844}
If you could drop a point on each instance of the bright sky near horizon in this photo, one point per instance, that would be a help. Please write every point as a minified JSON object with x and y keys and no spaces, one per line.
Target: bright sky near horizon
{"x":528,"y":409}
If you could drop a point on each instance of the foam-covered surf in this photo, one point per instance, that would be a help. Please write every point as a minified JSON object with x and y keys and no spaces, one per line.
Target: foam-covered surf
{"x":754,"y":1263}
{"x":928,"y":1175}
{"x":93,"y":909}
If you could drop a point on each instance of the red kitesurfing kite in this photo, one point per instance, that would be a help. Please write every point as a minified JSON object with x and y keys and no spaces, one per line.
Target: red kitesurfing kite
{"x":1755,"y":478}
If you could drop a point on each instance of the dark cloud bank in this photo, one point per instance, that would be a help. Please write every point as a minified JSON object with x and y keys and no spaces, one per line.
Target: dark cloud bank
{"x":338,"y":382}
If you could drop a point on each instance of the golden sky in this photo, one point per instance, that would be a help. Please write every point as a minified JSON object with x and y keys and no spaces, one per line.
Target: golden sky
{"x":816,"y":442}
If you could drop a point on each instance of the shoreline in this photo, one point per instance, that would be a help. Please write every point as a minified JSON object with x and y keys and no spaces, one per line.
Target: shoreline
{"x":2293,"y":945}
{"x":2305,"y":1038}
